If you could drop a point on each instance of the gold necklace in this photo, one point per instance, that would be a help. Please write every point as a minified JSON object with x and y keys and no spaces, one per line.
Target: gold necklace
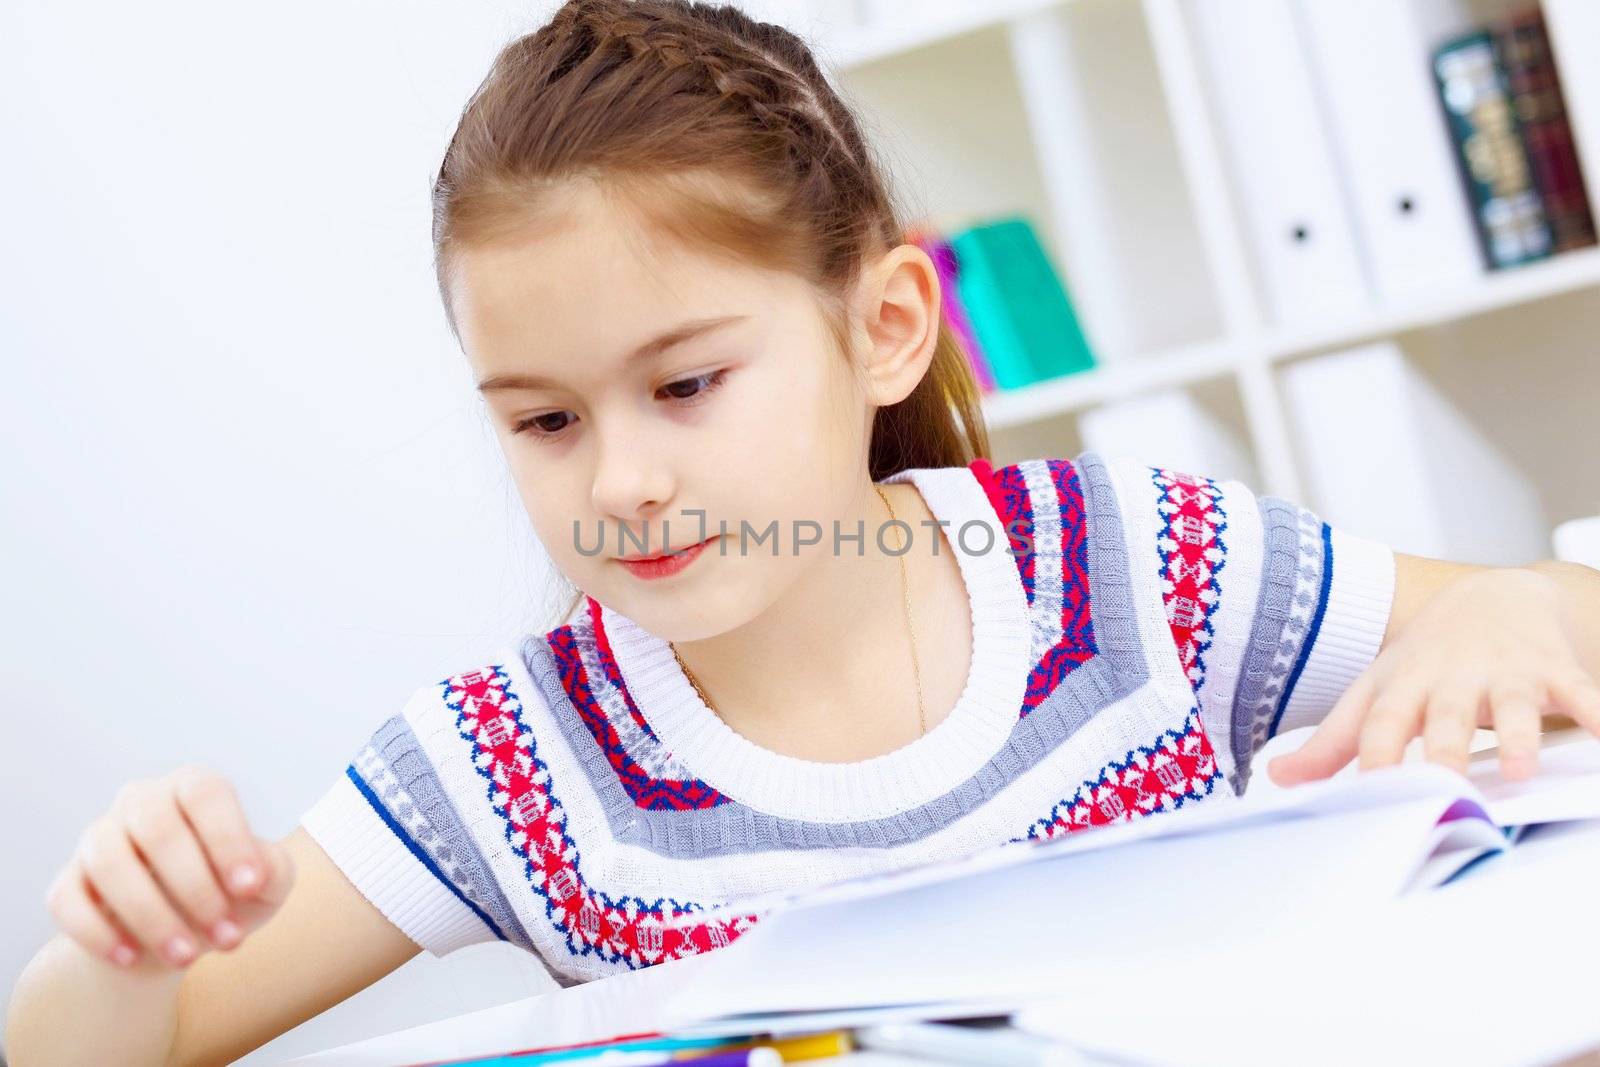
{"x":905,"y":586}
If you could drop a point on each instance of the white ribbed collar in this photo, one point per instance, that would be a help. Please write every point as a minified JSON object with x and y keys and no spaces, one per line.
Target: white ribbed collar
{"x":914,"y":774}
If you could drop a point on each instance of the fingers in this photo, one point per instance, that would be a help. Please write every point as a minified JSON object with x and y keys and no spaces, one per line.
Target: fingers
{"x":1514,"y":706}
{"x":1379,"y":715}
{"x":149,"y":873}
{"x":264,"y":902}
{"x":280,"y":873}
{"x":168,"y":845}
{"x":76,"y":908}
{"x":1332,"y":744}
{"x":1452,"y":719}
{"x":131,"y":893}
{"x":1395,"y":718}
{"x":1577,"y":693}
{"x":212,"y":808}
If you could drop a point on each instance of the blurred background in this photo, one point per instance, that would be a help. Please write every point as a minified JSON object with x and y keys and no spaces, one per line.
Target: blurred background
{"x":1340,"y":249}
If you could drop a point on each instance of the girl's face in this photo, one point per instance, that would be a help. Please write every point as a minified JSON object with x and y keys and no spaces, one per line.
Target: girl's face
{"x":663,"y":397}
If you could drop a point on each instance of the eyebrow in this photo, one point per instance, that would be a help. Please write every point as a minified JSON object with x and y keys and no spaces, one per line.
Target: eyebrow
{"x":680,"y":333}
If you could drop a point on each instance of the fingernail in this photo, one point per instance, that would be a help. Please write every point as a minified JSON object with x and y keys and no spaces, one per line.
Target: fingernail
{"x":179,"y":950}
{"x":244,"y":876}
{"x":124,"y":955}
{"x":225,"y":933}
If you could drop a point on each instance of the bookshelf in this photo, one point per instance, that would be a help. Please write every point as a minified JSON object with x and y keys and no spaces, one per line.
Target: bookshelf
{"x":1099,"y":120}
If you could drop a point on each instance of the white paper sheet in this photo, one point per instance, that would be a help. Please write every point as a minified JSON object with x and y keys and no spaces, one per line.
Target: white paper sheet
{"x":1496,"y":969}
{"x":1034,"y":928}
{"x":1374,"y":789}
{"x":1567,"y":785}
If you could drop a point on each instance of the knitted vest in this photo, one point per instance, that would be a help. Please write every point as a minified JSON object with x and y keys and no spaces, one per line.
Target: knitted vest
{"x":1137,"y":635}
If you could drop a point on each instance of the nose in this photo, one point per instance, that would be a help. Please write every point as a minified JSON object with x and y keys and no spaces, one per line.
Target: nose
{"x":632,"y":487}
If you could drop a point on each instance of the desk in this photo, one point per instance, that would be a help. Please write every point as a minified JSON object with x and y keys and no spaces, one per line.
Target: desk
{"x":1516,"y":940}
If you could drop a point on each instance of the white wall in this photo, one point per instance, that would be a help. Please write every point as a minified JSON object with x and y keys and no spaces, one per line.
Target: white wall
{"x":250,"y":500}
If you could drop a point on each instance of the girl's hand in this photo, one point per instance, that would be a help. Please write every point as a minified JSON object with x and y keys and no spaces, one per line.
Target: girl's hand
{"x":170,"y":871}
{"x":1495,"y":648}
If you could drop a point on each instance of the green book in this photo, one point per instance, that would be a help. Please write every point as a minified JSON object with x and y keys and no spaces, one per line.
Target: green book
{"x":1017,"y":304}
{"x":1490,"y":153}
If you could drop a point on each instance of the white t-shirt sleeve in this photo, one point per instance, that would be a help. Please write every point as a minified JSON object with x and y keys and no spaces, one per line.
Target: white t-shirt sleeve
{"x":389,"y":825}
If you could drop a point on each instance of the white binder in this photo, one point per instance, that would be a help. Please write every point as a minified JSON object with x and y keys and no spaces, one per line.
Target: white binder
{"x":1388,"y":456}
{"x":1169,"y":428}
{"x":1375,"y":84}
{"x":1279,"y":159}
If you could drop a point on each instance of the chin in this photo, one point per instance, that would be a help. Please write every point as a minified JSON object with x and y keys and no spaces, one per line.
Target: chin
{"x":691,"y":611}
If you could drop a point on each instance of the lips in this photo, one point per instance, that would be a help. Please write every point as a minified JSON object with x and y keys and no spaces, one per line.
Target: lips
{"x":666,"y":565}
{"x":662,"y":555}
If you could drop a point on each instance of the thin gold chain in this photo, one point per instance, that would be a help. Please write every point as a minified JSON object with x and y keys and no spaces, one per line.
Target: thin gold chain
{"x":905,"y":586}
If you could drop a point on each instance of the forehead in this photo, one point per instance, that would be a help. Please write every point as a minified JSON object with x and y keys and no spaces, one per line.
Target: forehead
{"x":588,"y":279}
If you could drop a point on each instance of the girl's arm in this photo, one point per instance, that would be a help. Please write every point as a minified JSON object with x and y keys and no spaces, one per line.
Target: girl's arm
{"x":325,"y":943}
{"x":1466,"y":647}
{"x":1283,"y":621}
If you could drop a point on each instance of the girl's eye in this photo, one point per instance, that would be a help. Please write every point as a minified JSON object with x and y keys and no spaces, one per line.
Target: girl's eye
{"x":538,"y":426}
{"x":708,"y":383}
{"x":702,"y":385}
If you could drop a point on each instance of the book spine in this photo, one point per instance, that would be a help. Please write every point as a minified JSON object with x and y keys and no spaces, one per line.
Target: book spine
{"x":1045,"y":319}
{"x":984,"y":298}
{"x":1489,"y":151}
{"x":1524,"y":50}
{"x":955,"y":316}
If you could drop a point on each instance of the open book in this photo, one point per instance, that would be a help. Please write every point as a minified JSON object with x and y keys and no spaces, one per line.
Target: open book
{"x":1476,"y":816}
{"x":1001,"y":925}
{"x":1170,"y":914}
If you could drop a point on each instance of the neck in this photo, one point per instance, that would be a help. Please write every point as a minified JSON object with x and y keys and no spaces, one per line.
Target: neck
{"x":846,"y":616}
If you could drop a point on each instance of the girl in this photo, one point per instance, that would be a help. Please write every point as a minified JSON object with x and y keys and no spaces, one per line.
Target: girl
{"x":815,"y":632}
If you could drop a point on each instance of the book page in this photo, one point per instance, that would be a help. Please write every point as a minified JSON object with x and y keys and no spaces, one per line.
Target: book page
{"x":1379,"y":788}
{"x":1068,"y":921}
{"x":1567,"y":785}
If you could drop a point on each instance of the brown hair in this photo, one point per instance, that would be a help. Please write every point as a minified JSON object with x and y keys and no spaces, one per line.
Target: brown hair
{"x":661,"y":102}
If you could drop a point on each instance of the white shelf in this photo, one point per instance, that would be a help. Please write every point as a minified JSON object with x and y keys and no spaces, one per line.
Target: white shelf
{"x":1114,"y":381}
{"x":1189,"y":364}
{"x":1494,"y":290}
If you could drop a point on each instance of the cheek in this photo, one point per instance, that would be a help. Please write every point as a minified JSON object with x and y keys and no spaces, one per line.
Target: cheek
{"x":533,"y":493}
{"x":550,"y":507}
{"x":796,"y":412}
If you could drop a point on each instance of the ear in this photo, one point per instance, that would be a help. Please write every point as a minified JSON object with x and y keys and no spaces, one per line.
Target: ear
{"x":899,"y":307}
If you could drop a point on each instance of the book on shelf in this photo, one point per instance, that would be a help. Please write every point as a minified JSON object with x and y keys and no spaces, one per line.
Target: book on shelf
{"x":1523,"y":48}
{"x":1017,"y":303}
{"x":1492,"y":158}
{"x":1006,"y":303}
{"x":955,"y":316}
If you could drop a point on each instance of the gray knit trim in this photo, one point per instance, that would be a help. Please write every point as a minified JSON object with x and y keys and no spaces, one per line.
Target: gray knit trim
{"x":401,"y":776}
{"x":1117,"y":670}
{"x":1291,"y":577}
